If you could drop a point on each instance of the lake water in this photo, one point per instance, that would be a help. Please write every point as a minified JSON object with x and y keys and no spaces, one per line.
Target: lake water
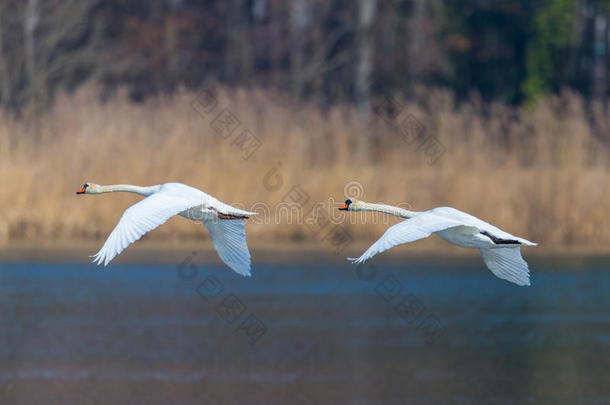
{"x":421,"y":331}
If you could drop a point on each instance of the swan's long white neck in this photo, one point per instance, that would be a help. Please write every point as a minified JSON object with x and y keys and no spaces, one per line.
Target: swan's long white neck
{"x":145,"y":191}
{"x":387,"y":209}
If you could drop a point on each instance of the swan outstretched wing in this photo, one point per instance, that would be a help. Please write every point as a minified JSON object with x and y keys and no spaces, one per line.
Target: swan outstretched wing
{"x":419,"y":227}
{"x":507,"y":264}
{"x":141,"y":218}
{"x":229,"y":240}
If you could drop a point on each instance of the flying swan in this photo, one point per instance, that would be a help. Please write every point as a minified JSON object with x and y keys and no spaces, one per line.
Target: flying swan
{"x":225,"y":223}
{"x":500,"y":250}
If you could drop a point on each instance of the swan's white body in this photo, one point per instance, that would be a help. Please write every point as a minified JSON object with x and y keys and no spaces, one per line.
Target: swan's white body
{"x":224,"y":222}
{"x":500,"y":250}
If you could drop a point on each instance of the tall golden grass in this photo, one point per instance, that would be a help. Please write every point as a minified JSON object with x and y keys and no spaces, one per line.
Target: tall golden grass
{"x":538,"y":173}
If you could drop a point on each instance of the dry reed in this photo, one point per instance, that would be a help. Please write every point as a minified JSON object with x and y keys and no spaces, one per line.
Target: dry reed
{"x":538,"y":173}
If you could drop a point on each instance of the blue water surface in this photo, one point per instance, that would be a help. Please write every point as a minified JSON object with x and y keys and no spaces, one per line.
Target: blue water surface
{"x":425,"y":331}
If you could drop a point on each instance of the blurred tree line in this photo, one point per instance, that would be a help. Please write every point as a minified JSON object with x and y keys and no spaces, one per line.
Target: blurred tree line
{"x":514,"y":51}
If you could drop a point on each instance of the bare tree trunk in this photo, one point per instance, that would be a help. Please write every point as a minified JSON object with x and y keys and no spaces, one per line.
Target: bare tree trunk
{"x":366,"y":15}
{"x":587,"y":59}
{"x":170,"y":47}
{"x":238,"y":54}
{"x":5,"y":74}
{"x":418,"y":39}
{"x":298,"y":21}
{"x":275,"y":44}
{"x":32,"y":17}
{"x":607,"y":64}
{"x":598,"y":81}
{"x":426,"y":55}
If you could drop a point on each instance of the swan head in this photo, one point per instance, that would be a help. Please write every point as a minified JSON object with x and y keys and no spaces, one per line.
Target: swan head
{"x":352,"y":205}
{"x":89,"y":188}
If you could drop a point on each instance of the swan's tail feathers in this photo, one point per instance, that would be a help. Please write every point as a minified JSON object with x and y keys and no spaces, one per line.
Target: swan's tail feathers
{"x":232,"y":211}
{"x":234,"y":214}
{"x":229,"y":240}
{"x":525,"y":242}
{"x":241,"y":213}
{"x":507,"y":264}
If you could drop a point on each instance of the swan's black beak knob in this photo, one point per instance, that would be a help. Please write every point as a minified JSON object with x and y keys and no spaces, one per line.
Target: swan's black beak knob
{"x":346,"y":206}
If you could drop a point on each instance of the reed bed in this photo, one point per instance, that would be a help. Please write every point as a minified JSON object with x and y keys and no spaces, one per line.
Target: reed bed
{"x":540,"y":173}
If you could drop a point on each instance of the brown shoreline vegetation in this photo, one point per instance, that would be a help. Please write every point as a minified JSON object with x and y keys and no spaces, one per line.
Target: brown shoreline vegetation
{"x":538,"y":172}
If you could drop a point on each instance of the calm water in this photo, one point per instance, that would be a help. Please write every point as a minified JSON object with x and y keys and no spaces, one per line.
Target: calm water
{"x":423,"y":332}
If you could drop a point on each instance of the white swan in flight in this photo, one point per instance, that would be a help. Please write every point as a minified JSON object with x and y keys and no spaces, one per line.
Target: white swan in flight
{"x":225,"y":223}
{"x":500,"y":250}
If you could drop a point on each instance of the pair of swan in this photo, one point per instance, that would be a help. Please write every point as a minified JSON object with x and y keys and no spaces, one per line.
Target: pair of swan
{"x":500,"y":250}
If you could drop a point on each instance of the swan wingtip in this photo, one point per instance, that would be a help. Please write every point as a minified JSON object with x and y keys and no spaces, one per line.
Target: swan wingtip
{"x":242,"y":271}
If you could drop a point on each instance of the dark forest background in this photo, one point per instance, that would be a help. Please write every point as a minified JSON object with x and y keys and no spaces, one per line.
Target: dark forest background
{"x":327,"y":50}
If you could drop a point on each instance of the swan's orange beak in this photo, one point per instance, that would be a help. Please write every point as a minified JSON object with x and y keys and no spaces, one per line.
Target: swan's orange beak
{"x":81,"y":191}
{"x":343,"y":208}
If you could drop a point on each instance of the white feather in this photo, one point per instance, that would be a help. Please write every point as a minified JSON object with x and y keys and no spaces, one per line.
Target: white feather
{"x":462,"y":229}
{"x":229,"y":240}
{"x":507,"y":264}
{"x":418,"y":227}
{"x":139,"y":219}
{"x":163,"y":202}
